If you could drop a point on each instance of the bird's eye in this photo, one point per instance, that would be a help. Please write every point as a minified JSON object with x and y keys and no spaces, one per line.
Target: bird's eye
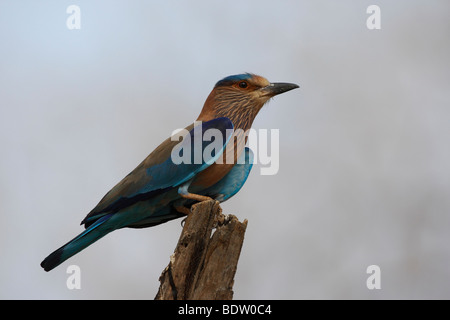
{"x":243,"y":84}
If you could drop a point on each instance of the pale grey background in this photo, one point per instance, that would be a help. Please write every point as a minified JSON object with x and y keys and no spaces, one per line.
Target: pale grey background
{"x":365,"y":160}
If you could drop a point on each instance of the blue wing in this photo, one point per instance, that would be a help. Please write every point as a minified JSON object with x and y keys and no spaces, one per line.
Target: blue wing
{"x":158,"y":173}
{"x":221,"y":191}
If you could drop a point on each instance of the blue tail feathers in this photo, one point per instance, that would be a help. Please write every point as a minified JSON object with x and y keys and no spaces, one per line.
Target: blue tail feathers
{"x":96,"y":231}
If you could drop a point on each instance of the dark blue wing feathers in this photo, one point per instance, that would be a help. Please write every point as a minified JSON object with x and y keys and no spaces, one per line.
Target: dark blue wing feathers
{"x":146,"y":182}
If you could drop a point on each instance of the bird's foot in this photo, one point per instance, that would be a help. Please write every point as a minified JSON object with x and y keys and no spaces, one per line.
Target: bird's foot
{"x":183,"y":222}
{"x":183,"y":209}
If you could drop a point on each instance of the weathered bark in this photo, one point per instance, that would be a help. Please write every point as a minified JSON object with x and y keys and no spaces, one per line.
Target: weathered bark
{"x":202,"y":266}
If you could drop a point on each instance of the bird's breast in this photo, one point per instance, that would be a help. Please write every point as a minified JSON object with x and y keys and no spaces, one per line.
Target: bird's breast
{"x":215,"y":172}
{"x":211,"y":175}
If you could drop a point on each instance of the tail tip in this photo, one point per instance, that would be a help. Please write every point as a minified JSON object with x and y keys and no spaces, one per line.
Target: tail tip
{"x":52,"y":261}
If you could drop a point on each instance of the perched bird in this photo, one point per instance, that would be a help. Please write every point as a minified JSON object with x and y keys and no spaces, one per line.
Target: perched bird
{"x":159,"y":190}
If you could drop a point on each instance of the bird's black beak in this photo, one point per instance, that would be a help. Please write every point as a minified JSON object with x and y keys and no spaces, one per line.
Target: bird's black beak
{"x":276,"y":88}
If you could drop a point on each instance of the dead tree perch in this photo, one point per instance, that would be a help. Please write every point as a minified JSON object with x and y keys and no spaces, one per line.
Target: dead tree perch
{"x":202,"y":266}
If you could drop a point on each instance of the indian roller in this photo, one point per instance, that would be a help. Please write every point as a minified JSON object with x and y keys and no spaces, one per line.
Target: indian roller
{"x":159,"y":190}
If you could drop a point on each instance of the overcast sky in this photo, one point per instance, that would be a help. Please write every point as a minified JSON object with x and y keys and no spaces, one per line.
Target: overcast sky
{"x":364,"y":174}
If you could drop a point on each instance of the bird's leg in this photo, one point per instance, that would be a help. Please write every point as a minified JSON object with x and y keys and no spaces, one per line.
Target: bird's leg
{"x":193,"y":196}
{"x":182,"y":209}
{"x":183,"y":191}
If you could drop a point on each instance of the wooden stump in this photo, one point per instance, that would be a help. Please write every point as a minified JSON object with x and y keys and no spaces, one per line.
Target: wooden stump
{"x":202,"y":266}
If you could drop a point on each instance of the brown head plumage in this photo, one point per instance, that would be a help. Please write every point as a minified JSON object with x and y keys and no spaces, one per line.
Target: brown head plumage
{"x":240,"y":97}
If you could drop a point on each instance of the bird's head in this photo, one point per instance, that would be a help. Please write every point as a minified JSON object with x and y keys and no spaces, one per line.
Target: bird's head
{"x":240,"y":97}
